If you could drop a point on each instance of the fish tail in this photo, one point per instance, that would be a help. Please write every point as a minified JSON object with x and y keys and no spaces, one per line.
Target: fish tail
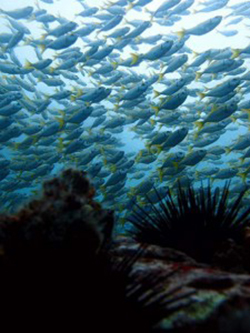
{"x":195,"y":54}
{"x":130,"y":195}
{"x":116,"y":106}
{"x":160,"y":172}
{"x":79,"y":93}
{"x":176,"y":165}
{"x":228,"y":150}
{"x":28,"y":64}
{"x":60,"y":145}
{"x":120,"y":208}
{"x":27,"y":41}
{"x":102,"y":151}
{"x":199,"y":124}
{"x":159,"y":149}
{"x":138,"y":157}
{"x":156,"y":109}
{"x":13,"y":145}
{"x":42,"y":47}
{"x":61,"y":121}
{"x":102,"y":130}
{"x":236,"y":53}
{"x":243,"y":176}
{"x":130,"y":6}
{"x":135,"y":58}
{"x":242,"y":159}
{"x":196,"y":135}
{"x":152,"y":122}
{"x":31,"y":18}
{"x":19,"y":175}
{"x":146,"y":10}
{"x":113,"y":168}
{"x":156,"y":93}
{"x":132,"y":129}
{"x":198,"y":76}
{"x":35,"y":138}
{"x":103,"y":188}
{"x":201,"y":95}
{"x":185,"y":67}
{"x":181,"y":33}
{"x":114,"y":64}
{"x":44,"y":36}
{"x":52,"y":69}
{"x":37,"y":4}
{"x":141,"y":202}
{"x":148,"y":146}
{"x":89,"y":130}
{"x":122,"y":220}
{"x":161,"y":75}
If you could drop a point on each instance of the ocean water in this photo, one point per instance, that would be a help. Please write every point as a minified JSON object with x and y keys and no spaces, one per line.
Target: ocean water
{"x":25,"y":166}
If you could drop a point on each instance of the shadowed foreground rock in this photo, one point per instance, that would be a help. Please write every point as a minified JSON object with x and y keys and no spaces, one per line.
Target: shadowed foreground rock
{"x":57,"y":270}
{"x":61,"y":270}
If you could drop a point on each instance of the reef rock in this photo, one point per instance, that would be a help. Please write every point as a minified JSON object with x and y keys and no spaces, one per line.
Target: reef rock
{"x":220,"y":299}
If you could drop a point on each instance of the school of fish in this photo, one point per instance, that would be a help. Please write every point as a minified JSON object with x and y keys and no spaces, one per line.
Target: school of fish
{"x":85,"y":95}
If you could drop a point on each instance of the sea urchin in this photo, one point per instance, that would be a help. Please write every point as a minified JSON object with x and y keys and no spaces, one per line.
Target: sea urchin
{"x":196,"y":222}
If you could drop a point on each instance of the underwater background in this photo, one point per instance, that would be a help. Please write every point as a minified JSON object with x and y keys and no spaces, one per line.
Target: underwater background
{"x":140,"y":94}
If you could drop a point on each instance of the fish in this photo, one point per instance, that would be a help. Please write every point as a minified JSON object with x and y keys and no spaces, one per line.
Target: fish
{"x":202,"y":28}
{"x":139,"y":30}
{"x":172,"y":102}
{"x":218,"y":114}
{"x":18,"y":14}
{"x":60,"y":43}
{"x":158,"y":51}
{"x":175,"y":63}
{"x":175,"y":138}
{"x":222,"y":89}
{"x":61,"y":29}
{"x":166,"y":6}
{"x":113,"y":22}
{"x":124,"y":99}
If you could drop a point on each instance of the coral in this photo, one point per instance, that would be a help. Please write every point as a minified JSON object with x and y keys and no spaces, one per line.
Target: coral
{"x":196,"y":222}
